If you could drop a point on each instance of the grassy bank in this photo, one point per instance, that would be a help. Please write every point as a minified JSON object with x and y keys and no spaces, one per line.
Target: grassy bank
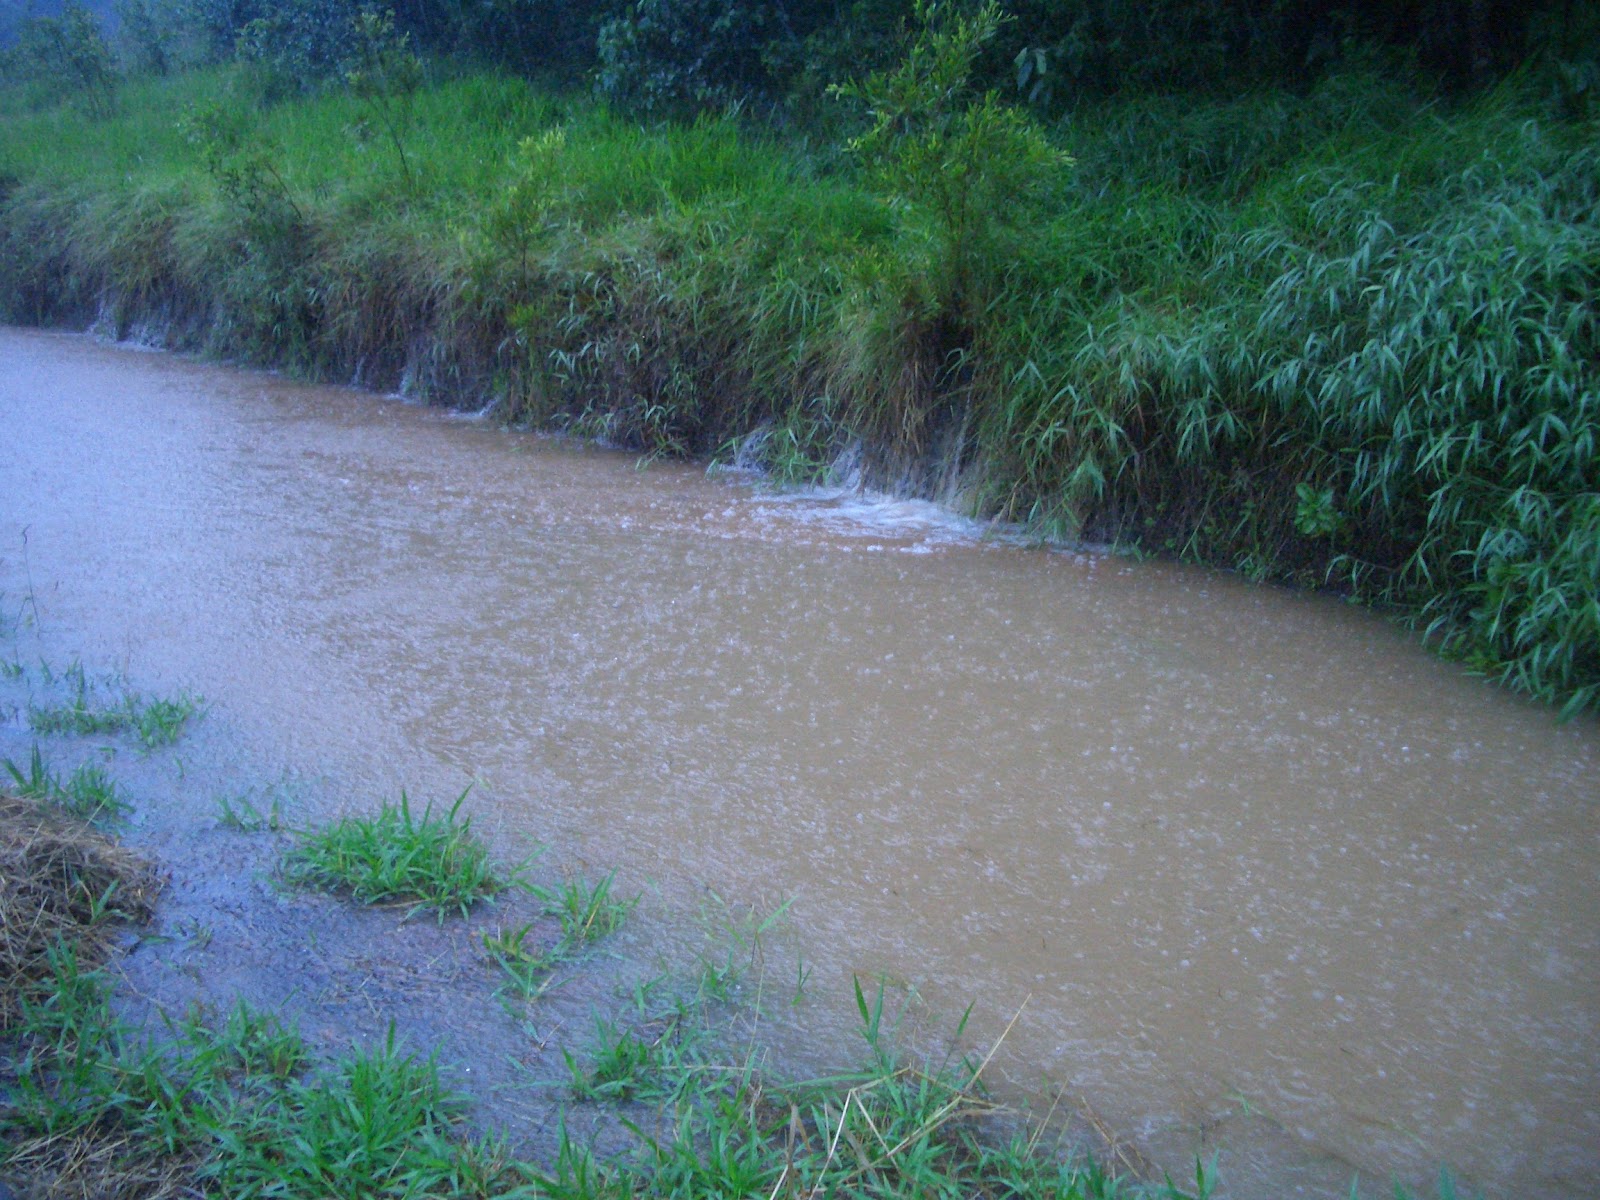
{"x":1339,"y":338}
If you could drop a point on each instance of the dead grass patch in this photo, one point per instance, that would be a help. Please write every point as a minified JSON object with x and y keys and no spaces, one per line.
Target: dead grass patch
{"x":98,"y":1164}
{"x":60,"y":882}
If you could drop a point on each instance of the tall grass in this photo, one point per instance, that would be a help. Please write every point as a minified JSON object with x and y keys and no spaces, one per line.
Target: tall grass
{"x":1344,"y":338}
{"x":1386,"y":377}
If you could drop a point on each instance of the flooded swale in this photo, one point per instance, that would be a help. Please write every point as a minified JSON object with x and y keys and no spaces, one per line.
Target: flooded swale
{"x":1261,"y":878}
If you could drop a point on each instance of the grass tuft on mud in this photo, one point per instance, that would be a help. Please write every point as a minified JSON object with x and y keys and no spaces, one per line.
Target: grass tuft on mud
{"x":432,"y":861}
{"x":62,"y":884}
{"x":85,"y":713}
{"x":89,"y":793}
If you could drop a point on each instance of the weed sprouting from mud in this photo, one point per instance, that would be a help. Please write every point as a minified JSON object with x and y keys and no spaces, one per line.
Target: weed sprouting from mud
{"x":625,"y":1063}
{"x":92,"y":795}
{"x":245,"y":815}
{"x":89,"y":793}
{"x":528,"y":969}
{"x":587,"y":912}
{"x":160,"y":722}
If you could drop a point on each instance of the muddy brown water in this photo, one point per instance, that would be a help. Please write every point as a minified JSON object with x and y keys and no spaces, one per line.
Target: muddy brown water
{"x":1259,"y":874}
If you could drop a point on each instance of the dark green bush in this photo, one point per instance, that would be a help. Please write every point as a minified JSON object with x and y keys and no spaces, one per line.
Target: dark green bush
{"x":680,"y":55}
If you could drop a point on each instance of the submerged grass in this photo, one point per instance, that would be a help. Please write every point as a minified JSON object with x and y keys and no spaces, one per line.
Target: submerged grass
{"x":1346,"y":338}
{"x":586,"y":913}
{"x":242,"y":813}
{"x":232,"y":1106}
{"x":89,"y":710}
{"x":894,"y":1128}
{"x":397,"y":857}
{"x":227,"y":1107}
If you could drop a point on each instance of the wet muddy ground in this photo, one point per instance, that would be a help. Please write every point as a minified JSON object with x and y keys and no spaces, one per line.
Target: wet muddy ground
{"x":229,"y":929}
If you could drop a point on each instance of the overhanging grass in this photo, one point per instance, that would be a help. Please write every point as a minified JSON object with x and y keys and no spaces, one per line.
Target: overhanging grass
{"x":1346,"y":338}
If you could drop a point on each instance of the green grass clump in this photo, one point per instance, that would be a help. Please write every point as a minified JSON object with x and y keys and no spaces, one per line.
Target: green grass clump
{"x":624,"y":1063}
{"x":891,"y":1129}
{"x":77,"y":717}
{"x":91,"y":794}
{"x":586,"y":912}
{"x":400,"y":858}
{"x":154,"y":722}
{"x":528,"y":969}
{"x":161,"y":722}
{"x":88,"y":711}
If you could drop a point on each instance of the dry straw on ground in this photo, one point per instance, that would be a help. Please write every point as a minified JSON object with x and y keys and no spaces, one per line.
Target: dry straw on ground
{"x":60,"y":881}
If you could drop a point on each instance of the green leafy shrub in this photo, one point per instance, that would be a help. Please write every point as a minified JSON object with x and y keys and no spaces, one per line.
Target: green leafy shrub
{"x":70,"y":55}
{"x":384,"y":74}
{"x":293,"y":46}
{"x":682,"y":55}
{"x":969,"y":164}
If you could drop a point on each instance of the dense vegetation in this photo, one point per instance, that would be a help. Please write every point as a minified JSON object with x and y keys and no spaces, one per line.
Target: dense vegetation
{"x":1303,"y":290}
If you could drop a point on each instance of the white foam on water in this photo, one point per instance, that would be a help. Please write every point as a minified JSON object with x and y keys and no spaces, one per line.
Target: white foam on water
{"x":888,"y":523}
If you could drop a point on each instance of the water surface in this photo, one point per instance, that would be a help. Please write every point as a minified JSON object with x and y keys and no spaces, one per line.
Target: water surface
{"x":1259,"y":872}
